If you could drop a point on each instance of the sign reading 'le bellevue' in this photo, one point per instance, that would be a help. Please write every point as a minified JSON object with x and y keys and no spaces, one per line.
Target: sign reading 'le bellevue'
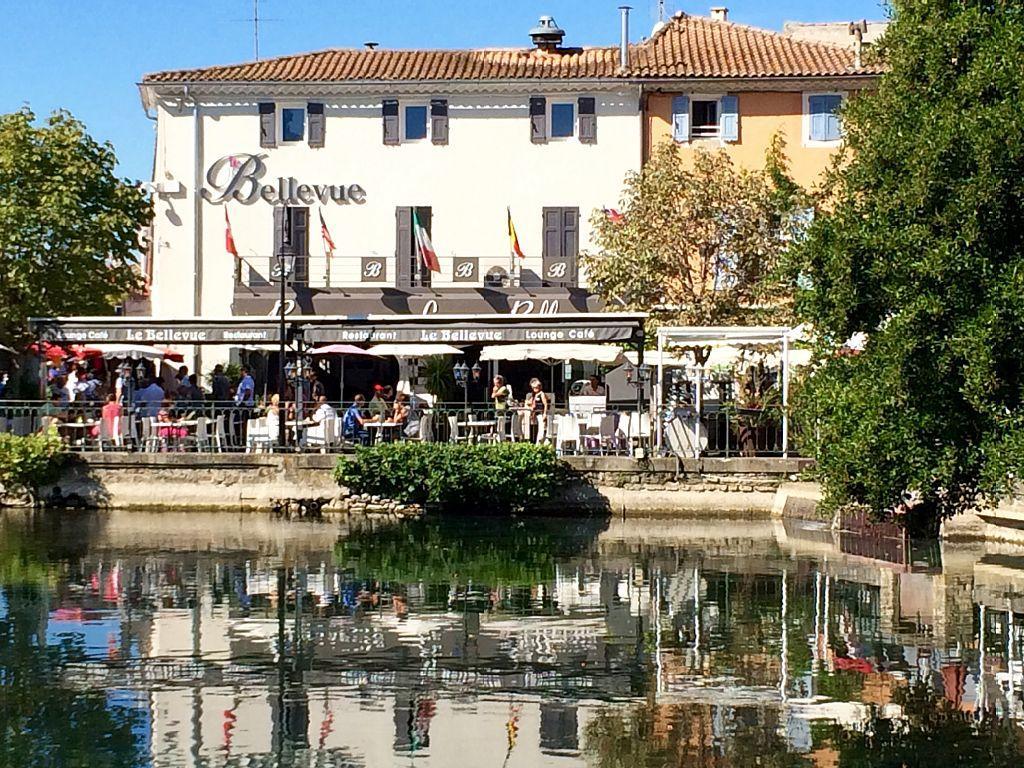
{"x":240,"y":177}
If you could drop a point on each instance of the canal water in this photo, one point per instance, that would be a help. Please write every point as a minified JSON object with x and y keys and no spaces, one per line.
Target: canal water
{"x":220,"y":640}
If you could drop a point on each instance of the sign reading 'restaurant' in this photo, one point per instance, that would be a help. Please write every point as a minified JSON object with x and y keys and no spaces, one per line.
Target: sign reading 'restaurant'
{"x":240,"y":177}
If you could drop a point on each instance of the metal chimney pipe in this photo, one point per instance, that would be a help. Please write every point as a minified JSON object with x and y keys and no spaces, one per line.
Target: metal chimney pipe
{"x":624,"y":39}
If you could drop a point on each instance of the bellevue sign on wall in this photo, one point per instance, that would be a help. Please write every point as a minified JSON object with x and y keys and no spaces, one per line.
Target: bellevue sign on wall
{"x":240,"y":177}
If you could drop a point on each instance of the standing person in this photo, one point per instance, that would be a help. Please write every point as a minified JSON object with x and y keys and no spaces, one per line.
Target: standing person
{"x":315,"y":386}
{"x":149,"y":399}
{"x":245,"y":392}
{"x":181,"y":377}
{"x":538,"y":403}
{"x":220,"y":386}
{"x":500,"y":393}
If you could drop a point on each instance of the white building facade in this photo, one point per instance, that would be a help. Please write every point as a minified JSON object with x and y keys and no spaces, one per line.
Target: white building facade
{"x":299,"y":165}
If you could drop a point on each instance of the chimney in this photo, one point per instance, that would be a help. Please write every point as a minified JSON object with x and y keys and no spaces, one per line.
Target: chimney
{"x":719,"y":13}
{"x":857,"y":30}
{"x":547,"y":35}
{"x":624,"y":37}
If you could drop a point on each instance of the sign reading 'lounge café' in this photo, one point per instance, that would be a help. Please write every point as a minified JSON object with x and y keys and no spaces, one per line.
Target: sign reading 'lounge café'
{"x":240,"y":177}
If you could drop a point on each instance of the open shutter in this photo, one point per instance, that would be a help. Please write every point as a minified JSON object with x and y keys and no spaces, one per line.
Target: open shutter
{"x":424,"y":214}
{"x":316,"y":123}
{"x":570,"y":242}
{"x":729,"y":120}
{"x":389,"y":110}
{"x":268,"y":124}
{"x":538,"y":119}
{"x":300,"y":245}
{"x":280,"y":233}
{"x":439,"y":121}
{"x":587,"y":120}
{"x":681,"y":118}
{"x":403,"y":246}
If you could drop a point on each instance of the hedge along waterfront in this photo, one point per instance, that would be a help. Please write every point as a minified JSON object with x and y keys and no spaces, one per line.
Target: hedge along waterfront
{"x":454,"y":476}
{"x":28,"y":462}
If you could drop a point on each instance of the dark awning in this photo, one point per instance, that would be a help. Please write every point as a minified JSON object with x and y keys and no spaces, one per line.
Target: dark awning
{"x":590,"y":327}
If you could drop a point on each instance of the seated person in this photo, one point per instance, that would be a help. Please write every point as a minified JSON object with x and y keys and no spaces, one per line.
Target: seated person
{"x":323,"y":411}
{"x":402,"y":409}
{"x":353,"y":426}
{"x":378,"y":403}
{"x":594,"y":388}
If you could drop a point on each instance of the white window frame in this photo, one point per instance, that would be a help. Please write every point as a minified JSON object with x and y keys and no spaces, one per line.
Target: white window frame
{"x":281,"y":107}
{"x":717,"y":98}
{"x":575,"y":119}
{"x":402,"y":105}
{"x":807,"y":141}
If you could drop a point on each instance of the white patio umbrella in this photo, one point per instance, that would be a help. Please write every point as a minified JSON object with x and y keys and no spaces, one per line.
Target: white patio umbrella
{"x":554,"y":353}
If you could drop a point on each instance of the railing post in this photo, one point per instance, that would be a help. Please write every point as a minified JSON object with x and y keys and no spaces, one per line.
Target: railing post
{"x":785,"y":395}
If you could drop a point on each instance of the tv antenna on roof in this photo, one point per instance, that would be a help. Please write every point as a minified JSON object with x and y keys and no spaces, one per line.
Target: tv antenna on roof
{"x":256,"y":29}
{"x":661,"y":10}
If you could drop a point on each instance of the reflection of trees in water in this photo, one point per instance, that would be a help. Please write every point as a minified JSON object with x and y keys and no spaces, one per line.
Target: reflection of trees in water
{"x":43,"y":720}
{"x":659,"y":736}
{"x":930,"y":733}
{"x":483,"y":551}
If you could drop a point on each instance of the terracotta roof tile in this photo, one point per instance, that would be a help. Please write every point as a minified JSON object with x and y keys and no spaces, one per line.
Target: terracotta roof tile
{"x":686,"y":47}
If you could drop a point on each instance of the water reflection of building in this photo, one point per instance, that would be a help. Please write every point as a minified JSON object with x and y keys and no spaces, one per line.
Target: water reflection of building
{"x":248,"y":654}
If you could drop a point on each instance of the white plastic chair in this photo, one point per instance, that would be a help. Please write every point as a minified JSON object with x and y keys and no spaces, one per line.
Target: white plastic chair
{"x":218,"y":434}
{"x":567,"y":433}
{"x":456,"y":432}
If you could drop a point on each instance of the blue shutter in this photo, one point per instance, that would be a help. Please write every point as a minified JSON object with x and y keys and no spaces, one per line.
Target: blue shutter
{"x":729,"y":120}
{"x":824,"y":117}
{"x":832,"y":127}
{"x":681,"y":118}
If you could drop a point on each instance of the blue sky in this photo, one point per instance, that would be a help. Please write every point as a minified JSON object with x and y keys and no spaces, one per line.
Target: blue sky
{"x":87,"y":55}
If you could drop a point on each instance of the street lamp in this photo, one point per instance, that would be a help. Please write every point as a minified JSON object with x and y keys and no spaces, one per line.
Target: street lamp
{"x":463,"y":375}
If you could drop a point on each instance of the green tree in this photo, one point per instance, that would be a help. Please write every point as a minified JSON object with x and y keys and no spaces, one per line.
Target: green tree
{"x":918,"y":245}
{"x":698,"y":243}
{"x":69,"y":227}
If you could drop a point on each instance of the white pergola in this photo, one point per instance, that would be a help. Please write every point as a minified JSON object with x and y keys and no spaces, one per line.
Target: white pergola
{"x":724,"y":336}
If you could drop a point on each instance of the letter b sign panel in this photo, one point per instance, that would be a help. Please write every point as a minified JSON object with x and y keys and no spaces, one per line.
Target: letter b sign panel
{"x":373,"y":269}
{"x":465,"y":269}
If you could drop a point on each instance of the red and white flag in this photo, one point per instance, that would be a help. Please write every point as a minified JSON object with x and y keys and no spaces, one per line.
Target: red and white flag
{"x":424,"y":246}
{"x":229,"y":239}
{"x":328,"y":240}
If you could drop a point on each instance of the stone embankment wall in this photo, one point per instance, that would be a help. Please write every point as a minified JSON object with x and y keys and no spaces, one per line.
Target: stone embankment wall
{"x":259,"y":482}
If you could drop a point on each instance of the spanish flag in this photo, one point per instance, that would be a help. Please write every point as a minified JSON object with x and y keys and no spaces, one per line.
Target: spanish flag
{"x":513,"y":238}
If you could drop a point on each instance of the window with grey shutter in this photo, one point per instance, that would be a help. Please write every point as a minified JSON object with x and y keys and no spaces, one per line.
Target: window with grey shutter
{"x":389,"y":110}
{"x":538,"y":119}
{"x":300,"y":245}
{"x":561,"y":242}
{"x":291,"y":239}
{"x":316,"y":124}
{"x":439,"y":121}
{"x":587,"y":120}
{"x":268,"y":124}
{"x":405,"y":248}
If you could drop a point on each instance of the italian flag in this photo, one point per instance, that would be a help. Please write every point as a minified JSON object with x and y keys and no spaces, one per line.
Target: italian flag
{"x":424,"y":246}
{"x":229,"y":239}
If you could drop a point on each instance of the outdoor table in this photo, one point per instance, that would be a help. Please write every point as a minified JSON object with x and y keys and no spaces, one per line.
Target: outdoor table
{"x":70,"y":428}
{"x":476,"y":426}
{"x":382,"y":427}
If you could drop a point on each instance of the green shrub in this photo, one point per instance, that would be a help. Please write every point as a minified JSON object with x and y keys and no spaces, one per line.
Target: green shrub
{"x":456,"y":477}
{"x":28,"y":462}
